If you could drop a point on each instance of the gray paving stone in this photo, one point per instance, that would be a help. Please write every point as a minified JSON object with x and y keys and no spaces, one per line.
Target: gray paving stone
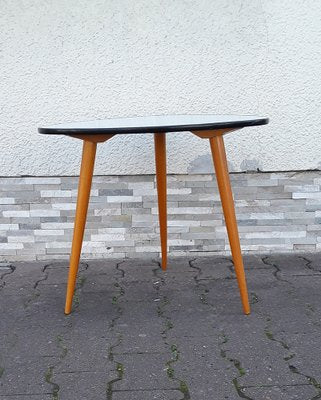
{"x":298,"y":392}
{"x":148,"y":395}
{"x":25,"y":377}
{"x":143,"y":372}
{"x":142,"y":333}
{"x":23,"y":396}
{"x":305,"y":360}
{"x":77,"y":358}
{"x":211,"y":375}
{"x":83,"y":385}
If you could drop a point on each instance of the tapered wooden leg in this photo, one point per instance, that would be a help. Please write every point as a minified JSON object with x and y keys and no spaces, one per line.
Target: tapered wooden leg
{"x":84,"y":186}
{"x":224,"y":185}
{"x":160,"y":159}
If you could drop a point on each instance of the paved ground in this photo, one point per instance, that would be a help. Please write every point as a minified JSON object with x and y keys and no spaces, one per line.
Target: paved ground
{"x":139,"y":333}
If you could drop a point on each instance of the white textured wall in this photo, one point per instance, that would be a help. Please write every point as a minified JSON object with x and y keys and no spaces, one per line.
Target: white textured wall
{"x":64,"y":60}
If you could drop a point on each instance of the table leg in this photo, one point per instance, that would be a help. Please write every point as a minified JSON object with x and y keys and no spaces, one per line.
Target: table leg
{"x":85,"y":179}
{"x":224,"y":185}
{"x":160,"y":160}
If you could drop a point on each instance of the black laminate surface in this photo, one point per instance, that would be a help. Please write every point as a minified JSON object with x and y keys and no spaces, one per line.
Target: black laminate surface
{"x":152,"y":124}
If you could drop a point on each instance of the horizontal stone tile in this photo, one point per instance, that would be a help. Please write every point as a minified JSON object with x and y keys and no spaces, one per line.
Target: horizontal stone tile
{"x":314,"y":228}
{"x":108,"y":211}
{"x":123,"y":199}
{"x":148,"y":249}
{"x":174,"y":229}
{"x":200,"y":203}
{"x":9,"y":227}
{"x":306,"y":195}
{"x":264,"y":247}
{"x":302,"y":188}
{"x":57,"y":225}
{"x":304,"y":247}
{"x":144,"y":218}
{"x":252,"y":203}
{"x":48,"y":232}
{"x":145,"y":192}
{"x":140,"y":185}
{"x":53,"y":256}
{"x":115,"y":192}
{"x":211,"y":223}
{"x":199,"y":217}
{"x":107,"y":237}
{"x":11,"y":181}
{"x":112,"y":230}
{"x":55,"y":193}
{"x":263,"y":196}
{"x":56,"y":238}
{"x":134,"y":204}
{"x":44,"y":213}
{"x":150,"y":206}
{"x":199,"y":184}
{"x":262,"y":182}
{"x":58,"y":245}
{"x":134,"y":211}
{"x":12,"y":185}
{"x":42,"y":181}
{"x":105,"y":179}
{"x":186,"y":210}
{"x":7,"y":200}
{"x":199,"y":235}
{"x":203,"y":191}
{"x":16,"y":213}
{"x":181,"y":242}
{"x":196,"y":177}
{"x":136,"y":178}
{"x":183,"y":223}
{"x":58,"y":251}
{"x":64,"y":206}
{"x":303,"y":240}
{"x":274,"y":234}
{"x":21,"y":239}
{"x":267,"y":216}
{"x":11,"y":246}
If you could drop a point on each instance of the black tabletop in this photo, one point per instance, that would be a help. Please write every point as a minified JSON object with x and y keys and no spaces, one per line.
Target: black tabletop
{"x":152,"y":124}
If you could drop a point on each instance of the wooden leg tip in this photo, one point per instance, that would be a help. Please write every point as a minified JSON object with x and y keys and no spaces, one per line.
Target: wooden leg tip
{"x":164,"y":265}
{"x":247,"y":310}
{"x":67,"y":309}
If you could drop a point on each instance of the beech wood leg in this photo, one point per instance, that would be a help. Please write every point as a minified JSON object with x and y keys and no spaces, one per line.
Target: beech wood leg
{"x":84,"y":186}
{"x":160,"y":160}
{"x":224,"y":185}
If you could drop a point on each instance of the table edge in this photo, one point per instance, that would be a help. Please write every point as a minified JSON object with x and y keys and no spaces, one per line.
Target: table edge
{"x":154,"y":129}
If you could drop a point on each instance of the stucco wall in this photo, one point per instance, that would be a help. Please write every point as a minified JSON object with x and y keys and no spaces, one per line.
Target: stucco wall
{"x":75,"y":60}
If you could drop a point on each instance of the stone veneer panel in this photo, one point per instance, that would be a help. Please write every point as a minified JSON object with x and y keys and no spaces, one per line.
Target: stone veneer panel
{"x":275,"y":212}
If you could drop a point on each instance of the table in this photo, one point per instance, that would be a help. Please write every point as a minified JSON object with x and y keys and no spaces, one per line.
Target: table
{"x":211,"y":127}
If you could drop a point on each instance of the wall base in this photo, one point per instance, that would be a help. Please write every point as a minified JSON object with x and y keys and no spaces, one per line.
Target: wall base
{"x":275,"y":211}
